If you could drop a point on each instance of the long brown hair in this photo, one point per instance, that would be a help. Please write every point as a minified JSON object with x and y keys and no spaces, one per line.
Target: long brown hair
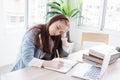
{"x":44,"y":32}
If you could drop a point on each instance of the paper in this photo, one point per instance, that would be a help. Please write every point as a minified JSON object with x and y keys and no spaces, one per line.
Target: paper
{"x":68,"y":64}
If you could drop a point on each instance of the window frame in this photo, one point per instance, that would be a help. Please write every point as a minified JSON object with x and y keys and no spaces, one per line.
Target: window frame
{"x":101,"y":25}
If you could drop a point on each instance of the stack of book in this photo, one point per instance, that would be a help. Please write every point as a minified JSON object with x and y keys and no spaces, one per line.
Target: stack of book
{"x":96,"y":54}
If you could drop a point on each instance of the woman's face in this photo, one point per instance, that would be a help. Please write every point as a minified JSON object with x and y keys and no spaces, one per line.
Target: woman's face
{"x":58,"y":28}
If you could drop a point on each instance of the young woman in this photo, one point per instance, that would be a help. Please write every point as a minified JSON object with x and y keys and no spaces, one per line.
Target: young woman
{"x":42,"y":42}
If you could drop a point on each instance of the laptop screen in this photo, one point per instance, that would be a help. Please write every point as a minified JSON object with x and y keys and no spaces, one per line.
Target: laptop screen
{"x":105,"y":63}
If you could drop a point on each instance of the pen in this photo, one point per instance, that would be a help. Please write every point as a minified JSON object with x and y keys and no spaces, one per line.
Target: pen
{"x":58,"y":54}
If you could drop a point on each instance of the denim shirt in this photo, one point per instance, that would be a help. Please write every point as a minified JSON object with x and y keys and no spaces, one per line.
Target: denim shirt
{"x":28,"y":51}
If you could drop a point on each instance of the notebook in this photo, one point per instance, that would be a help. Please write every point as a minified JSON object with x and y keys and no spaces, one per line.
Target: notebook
{"x":68,"y":65}
{"x":91,"y":72}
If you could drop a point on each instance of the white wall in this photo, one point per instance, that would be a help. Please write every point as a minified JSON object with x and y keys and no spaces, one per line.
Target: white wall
{"x":1,"y":17}
{"x":9,"y":45}
{"x":9,"y":40}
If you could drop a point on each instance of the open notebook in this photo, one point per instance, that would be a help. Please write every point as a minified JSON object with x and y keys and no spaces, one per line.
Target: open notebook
{"x":68,"y":64}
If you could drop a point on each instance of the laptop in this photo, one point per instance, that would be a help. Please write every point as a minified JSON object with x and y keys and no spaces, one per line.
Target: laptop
{"x":91,"y":72}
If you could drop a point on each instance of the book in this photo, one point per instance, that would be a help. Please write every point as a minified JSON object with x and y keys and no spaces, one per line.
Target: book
{"x":101,"y":50}
{"x":97,"y":59}
{"x":68,"y":65}
{"x":88,"y":57}
{"x":113,"y":56}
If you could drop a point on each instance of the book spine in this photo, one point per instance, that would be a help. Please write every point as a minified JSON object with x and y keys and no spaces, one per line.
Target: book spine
{"x":97,"y":60}
{"x":92,"y":59}
{"x":112,"y":61}
{"x":97,"y":54}
{"x":115,"y":56}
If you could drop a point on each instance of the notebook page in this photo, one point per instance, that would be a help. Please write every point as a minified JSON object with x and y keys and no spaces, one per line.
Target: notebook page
{"x":68,"y":64}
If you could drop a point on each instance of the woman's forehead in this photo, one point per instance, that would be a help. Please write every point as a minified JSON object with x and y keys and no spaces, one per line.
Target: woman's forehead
{"x":64,"y":28}
{"x":63,"y":25}
{"x":63,"y":22}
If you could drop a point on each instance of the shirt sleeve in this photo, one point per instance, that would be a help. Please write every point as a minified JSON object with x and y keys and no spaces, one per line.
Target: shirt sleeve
{"x":28,"y":50}
{"x":65,"y":44}
{"x":36,"y":62}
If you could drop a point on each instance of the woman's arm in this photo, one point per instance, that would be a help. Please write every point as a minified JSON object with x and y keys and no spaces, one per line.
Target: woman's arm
{"x":28,"y":50}
{"x":65,"y":43}
{"x":55,"y":63}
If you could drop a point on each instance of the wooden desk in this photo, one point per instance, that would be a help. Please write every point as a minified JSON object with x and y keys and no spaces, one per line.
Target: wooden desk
{"x":33,"y":73}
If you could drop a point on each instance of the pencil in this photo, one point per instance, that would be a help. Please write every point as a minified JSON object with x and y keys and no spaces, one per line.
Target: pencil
{"x":58,"y":54}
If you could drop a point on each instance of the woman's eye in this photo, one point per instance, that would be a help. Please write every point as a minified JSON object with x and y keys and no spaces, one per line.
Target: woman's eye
{"x":61,"y":32}
{"x":58,"y":28}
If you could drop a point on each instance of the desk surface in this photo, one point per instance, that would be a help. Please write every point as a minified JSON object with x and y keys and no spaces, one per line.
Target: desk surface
{"x":33,"y":73}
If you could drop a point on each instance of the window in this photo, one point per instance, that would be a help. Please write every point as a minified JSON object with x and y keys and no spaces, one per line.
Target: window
{"x":90,"y":12}
{"x":14,"y":11}
{"x":102,"y":14}
{"x":112,"y":18}
{"x":23,"y":13}
{"x":36,"y":12}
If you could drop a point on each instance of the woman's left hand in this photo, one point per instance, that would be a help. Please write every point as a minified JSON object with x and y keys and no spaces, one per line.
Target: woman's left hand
{"x":63,"y":35}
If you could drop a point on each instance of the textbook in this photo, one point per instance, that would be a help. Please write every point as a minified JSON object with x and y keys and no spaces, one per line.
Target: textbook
{"x":100,"y":50}
{"x":95,"y":59}
{"x":68,"y":65}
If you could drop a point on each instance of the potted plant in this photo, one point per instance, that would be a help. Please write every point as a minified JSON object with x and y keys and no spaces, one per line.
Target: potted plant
{"x":64,"y":7}
{"x":118,"y":48}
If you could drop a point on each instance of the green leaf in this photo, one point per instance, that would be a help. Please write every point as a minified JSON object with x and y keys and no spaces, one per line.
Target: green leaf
{"x":75,"y":13}
{"x":65,"y":7}
{"x":61,"y":1}
{"x":52,"y":13}
{"x":68,"y":7}
{"x":54,"y":5}
{"x":77,"y":4}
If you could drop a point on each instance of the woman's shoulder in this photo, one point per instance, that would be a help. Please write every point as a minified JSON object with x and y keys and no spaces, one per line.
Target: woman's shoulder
{"x":32,"y":32}
{"x":35,"y":29}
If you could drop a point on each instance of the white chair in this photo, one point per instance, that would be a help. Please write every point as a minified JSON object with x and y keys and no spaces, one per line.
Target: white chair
{"x":93,"y":37}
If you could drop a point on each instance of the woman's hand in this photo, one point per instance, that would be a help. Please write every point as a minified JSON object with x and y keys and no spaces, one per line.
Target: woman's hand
{"x":63,"y":35}
{"x":65,"y":43}
{"x":55,"y":63}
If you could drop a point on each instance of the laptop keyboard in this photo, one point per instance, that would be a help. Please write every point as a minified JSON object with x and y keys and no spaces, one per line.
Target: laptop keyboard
{"x":93,"y":73}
